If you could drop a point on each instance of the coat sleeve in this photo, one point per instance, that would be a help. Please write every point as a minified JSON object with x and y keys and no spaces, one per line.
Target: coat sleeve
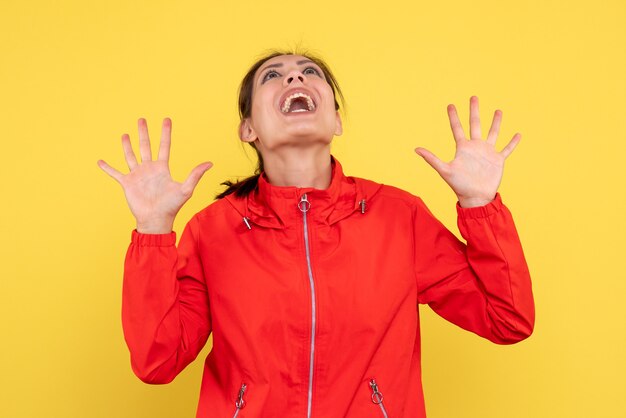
{"x":165,"y":305}
{"x":484,"y":286}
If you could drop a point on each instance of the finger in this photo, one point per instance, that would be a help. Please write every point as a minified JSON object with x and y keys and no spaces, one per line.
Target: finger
{"x":474,"y":119}
{"x":166,"y":135}
{"x":194,"y":177}
{"x":494,"y":130}
{"x":455,"y":124}
{"x":511,"y":145}
{"x":144,"y":140}
{"x":439,"y":166}
{"x":131,"y":160}
{"x":110,"y":171}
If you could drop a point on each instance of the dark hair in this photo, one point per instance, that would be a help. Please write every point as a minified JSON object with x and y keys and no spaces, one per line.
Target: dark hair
{"x":243,"y":187}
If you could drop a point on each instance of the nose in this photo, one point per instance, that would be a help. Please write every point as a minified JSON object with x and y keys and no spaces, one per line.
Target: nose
{"x":290,"y":79}
{"x":293,"y":76}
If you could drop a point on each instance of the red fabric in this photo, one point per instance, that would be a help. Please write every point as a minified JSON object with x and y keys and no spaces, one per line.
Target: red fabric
{"x":250,"y":288}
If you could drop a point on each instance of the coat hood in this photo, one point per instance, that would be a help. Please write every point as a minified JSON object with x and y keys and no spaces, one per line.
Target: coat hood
{"x":277,"y":206}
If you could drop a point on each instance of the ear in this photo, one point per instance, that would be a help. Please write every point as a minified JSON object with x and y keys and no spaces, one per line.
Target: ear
{"x":246,"y":131}
{"x":338,"y":126}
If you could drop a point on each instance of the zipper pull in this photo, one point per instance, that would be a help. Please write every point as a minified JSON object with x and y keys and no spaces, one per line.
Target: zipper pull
{"x":377,"y":397}
{"x":304,"y":205}
{"x":362,"y":203}
{"x":240,"y":402}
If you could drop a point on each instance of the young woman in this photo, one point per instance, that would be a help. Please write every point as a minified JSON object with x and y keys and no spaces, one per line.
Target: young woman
{"x":309,"y":279}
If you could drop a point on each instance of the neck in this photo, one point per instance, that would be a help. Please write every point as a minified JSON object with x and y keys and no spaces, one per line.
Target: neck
{"x":299,"y":168}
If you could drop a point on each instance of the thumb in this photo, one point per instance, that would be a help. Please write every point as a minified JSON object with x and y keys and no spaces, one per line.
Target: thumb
{"x":194,"y":177}
{"x":431,"y":159}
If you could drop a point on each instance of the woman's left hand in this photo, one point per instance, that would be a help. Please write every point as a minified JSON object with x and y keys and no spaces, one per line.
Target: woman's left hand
{"x":476,"y":171}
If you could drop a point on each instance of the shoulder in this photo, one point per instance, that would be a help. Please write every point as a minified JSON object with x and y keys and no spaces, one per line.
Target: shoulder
{"x":383,"y":192}
{"x":216,"y":211}
{"x":216,"y":224}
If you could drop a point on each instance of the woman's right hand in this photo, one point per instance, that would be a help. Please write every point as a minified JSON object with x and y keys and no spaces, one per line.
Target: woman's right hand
{"x":153,"y":196}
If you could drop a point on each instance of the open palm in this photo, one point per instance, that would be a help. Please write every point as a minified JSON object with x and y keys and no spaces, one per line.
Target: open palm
{"x":153,"y":197}
{"x":476,"y":171}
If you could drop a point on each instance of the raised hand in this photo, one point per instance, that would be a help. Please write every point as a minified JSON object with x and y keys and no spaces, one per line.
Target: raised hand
{"x":153,"y":196}
{"x":476,"y":171}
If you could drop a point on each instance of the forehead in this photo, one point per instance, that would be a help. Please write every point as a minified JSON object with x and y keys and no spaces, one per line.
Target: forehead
{"x":285,"y":60}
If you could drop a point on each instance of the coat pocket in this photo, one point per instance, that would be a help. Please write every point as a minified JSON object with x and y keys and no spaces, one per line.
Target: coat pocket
{"x":377,"y":397}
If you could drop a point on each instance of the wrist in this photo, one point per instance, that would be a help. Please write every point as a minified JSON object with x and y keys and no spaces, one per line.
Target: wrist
{"x":473,"y":202}
{"x":155,"y":227}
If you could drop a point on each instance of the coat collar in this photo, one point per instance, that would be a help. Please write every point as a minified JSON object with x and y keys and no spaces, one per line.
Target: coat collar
{"x":277,"y":207}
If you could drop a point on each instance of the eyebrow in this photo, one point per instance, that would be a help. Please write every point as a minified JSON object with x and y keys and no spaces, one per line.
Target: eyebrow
{"x":280,"y":64}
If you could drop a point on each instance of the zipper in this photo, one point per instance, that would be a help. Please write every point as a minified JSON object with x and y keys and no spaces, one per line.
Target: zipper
{"x":304,"y":205}
{"x":240,"y":403}
{"x":377,"y":397}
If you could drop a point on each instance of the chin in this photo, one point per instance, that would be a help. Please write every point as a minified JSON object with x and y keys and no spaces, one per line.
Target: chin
{"x":304,"y":135}
{"x":299,"y":139}
{"x":308,"y":129}
{"x":298,"y":134}
{"x":303,"y":131}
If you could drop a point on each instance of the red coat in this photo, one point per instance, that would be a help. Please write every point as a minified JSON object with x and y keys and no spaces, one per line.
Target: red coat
{"x":313,"y":305}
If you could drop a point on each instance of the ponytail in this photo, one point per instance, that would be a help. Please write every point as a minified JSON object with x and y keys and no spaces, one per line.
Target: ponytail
{"x":243,"y":188}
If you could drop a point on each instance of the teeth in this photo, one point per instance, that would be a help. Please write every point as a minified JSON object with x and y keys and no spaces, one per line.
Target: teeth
{"x":289,"y":99}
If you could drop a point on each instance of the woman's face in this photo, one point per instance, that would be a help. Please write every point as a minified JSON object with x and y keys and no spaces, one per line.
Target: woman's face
{"x":292,"y":105}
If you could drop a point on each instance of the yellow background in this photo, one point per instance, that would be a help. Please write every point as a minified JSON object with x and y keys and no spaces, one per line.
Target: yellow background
{"x":75,"y":75}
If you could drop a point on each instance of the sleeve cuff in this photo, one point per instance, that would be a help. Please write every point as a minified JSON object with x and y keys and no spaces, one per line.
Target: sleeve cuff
{"x":153,"y":240}
{"x":480,"y":211}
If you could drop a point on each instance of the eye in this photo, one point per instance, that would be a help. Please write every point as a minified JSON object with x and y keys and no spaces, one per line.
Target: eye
{"x":311,"y":70}
{"x":269,"y":75}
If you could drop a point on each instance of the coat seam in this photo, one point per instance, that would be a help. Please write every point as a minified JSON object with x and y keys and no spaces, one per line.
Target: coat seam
{"x":508,"y":269}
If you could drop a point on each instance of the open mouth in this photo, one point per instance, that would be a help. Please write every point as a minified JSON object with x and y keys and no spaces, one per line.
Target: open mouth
{"x":298,"y":102}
